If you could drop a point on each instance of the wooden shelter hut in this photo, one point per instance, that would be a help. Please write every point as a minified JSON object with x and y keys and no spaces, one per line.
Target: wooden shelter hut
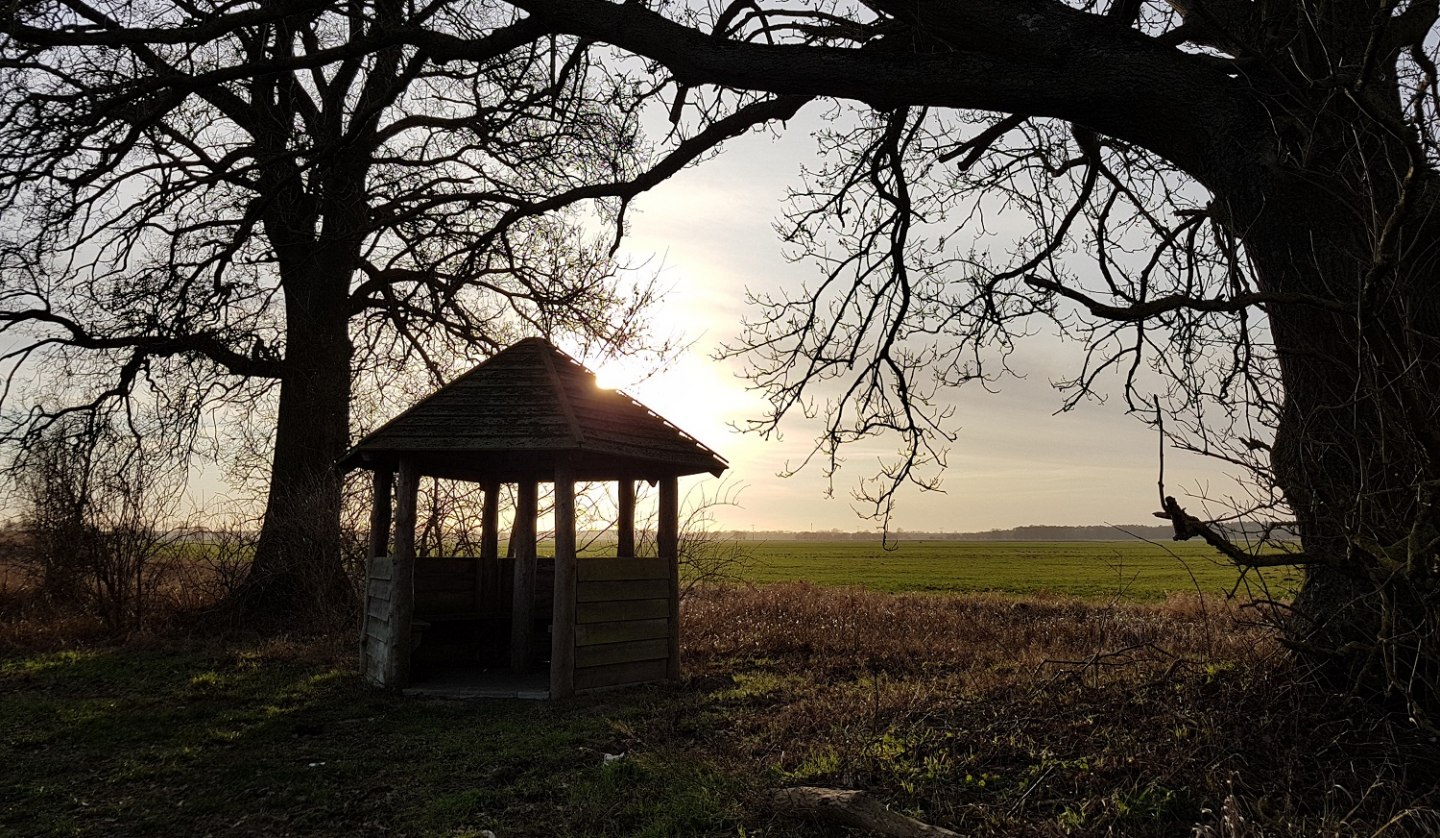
{"x":529,"y":415}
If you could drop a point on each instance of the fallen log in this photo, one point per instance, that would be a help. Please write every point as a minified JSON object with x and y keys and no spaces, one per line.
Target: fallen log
{"x":847,"y":807}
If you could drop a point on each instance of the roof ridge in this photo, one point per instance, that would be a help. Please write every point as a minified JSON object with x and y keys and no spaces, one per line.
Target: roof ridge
{"x":560,"y":393}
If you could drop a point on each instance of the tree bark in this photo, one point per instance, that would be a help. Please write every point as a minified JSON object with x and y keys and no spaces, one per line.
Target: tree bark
{"x":298,"y":578}
{"x":1355,"y":443}
{"x":316,"y":230}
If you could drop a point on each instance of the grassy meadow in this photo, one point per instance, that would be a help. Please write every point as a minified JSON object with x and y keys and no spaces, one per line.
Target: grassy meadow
{"x":1001,"y":689}
{"x":1130,"y":569}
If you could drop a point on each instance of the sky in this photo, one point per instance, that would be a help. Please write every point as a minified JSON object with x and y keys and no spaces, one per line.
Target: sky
{"x":709,"y":231}
{"x":707,"y":234}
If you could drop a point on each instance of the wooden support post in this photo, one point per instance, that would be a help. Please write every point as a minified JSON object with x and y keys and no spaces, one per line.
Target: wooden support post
{"x":490,"y":521}
{"x":407,"y":488}
{"x":522,"y":547}
{"x":625,"y":521}
{"x":667,"y":538}
{"x":487,"y":574}
{"x":383,"y":483}
{"x":562,"y":630}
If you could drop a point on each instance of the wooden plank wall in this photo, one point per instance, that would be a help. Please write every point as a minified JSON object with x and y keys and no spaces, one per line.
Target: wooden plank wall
{"x":460,"y":585}
{"x":623,"y":619}
{"x":379,"y":622}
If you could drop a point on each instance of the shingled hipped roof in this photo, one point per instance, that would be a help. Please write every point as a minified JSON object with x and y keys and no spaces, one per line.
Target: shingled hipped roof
{"x":524,"y":412}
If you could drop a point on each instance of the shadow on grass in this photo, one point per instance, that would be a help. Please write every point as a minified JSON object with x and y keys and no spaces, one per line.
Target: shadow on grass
{"x":989,"y":716}
{"x":257,"y":741}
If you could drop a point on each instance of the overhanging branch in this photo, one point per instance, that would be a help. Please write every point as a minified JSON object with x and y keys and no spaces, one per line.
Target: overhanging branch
{"x":209,"y":346}
{"x":1187,"y":526}
{"x":1147,"y":309}
{"x":1052,"y":61}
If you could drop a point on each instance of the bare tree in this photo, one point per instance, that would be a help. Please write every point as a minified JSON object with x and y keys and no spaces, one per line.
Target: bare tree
{"x":263,"y":204}
{"x":95,"y":501}
{"x":1251,"y":187}
{"x":52,"y":494}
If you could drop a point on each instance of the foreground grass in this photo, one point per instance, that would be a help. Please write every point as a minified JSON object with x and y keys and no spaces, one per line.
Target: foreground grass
{"x":1130,"y":569}
{"x":988,"y":715}
{"x":275,"y":739}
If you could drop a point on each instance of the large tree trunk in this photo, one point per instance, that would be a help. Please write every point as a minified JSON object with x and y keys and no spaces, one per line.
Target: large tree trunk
{"x":298,"y":578}
{"x":1355,"y":448}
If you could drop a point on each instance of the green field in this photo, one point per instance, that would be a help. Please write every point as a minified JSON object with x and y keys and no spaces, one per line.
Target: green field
{"x":1091,"y":569}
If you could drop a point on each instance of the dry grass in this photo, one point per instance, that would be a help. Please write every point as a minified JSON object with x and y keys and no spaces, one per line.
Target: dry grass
{"x":30,"y":623}
{"x":977,"y":636}
{"x":989,"y":715}
{"x":1040,"y":717}
{"x":180,"y":590}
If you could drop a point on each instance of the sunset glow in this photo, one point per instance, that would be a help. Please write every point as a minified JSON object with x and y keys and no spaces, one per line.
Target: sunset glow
{"x":1015,"y":462}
